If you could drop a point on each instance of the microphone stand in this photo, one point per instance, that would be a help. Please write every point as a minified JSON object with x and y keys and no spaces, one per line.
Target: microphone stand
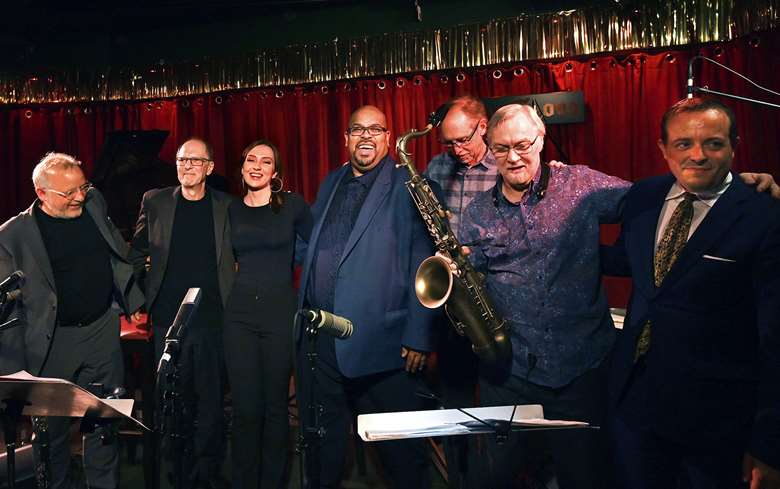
{"x":10,"y":415}
{"x":691,"y":88}
{"x":737,"y":97}
{"x":172,"y":420}
{"x":311,"y":433}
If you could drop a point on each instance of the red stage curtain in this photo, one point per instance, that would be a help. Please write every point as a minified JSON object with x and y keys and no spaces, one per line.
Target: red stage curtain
{"x":625,"y":97}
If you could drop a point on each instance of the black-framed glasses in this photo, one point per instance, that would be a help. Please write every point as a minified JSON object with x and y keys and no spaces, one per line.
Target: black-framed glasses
{"x":71,"y":194}
{"x":523,"y":147}
{"x":461,"y":141}
{"x":183,"y":160}
{"x":358,"y":130}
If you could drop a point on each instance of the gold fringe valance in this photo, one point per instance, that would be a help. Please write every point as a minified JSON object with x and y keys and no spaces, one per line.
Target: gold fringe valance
{"x":622,"y":26}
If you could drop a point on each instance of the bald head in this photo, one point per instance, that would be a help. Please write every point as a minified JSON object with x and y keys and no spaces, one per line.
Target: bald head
{"x":368,"y":111}
{"x":366,"y":150}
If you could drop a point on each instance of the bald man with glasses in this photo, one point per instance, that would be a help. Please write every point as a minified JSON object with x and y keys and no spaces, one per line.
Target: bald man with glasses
{"x":74,"y":263}
{"x":182,"y":240}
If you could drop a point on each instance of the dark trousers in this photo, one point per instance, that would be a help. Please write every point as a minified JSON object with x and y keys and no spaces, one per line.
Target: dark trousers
{"x":85,"y":355}
{"x":648,"y":459}
{"x":200,"y":384}
{"x":581,"y":456}
{"x":457,"y":368}
{"x":645,"y":460}
{"x":404,"y":462}
{"x":259,"y":364}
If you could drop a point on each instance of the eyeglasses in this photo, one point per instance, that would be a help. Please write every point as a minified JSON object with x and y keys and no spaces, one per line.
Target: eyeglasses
{"x":357,"y":130}
{"x":71,"y":194}
{"x":182,"y":161}
{"x":461,"y":141}
{"x":521,"y":148}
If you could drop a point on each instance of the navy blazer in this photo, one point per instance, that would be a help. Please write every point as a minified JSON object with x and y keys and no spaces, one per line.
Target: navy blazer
{"x":713,"y":368}
{"x":375,"y":282}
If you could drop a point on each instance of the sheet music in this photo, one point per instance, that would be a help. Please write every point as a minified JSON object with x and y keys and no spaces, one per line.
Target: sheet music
{"x":448,"y":422}
{"x":24,"y":375}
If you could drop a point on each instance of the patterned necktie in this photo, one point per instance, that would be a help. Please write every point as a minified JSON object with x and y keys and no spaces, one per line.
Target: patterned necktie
{"x":669,"y":248}
{"x":674,"y":238}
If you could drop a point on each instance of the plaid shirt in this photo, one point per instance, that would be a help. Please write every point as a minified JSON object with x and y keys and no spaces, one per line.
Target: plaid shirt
{"x":460,"y":182}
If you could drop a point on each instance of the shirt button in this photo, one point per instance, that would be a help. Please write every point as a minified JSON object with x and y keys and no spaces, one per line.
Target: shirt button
{"x":48,"y":336}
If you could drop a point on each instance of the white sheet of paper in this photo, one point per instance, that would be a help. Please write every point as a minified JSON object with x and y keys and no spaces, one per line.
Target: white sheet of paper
{"x":445,"y":422}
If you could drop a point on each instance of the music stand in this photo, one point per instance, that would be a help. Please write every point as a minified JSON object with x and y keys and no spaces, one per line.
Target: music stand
{"x":450,"y":422}
{"x":23,"y":394}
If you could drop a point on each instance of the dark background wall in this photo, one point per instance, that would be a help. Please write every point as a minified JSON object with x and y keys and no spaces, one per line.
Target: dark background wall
{"x":49,"y":34}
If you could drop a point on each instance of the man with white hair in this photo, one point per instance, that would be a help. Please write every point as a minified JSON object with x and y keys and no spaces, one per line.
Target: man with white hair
{"x":73,"y":259}
{"x":535,"y":236}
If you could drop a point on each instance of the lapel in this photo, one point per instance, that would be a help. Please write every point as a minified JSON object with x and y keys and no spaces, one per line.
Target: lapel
{"x":315,"y":232}
{"x":726,"y":210}
{"x":220,"y":217}
{"x":646,"y":223}
{"x":34,"y":241}
{"x":99,"y":219}
{"x":165,"y":216}
{"x":376,"y":196}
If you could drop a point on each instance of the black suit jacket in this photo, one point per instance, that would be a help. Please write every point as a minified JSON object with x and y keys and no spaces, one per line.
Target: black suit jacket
{"x":152,"y":240}
{"x":713,"y":369}
{"x":21,"y":248}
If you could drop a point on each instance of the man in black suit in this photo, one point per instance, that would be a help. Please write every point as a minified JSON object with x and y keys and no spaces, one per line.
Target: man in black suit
{"x":695,"y":382}
{"x":75,"y":266}
{"x":182,"y":240}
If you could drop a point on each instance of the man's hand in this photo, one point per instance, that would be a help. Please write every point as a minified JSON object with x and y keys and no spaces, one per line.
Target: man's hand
{"x":759,"y":474}
{"x":763,"y":181}
{"x":555,"y":164}
{"x":415,"y":360}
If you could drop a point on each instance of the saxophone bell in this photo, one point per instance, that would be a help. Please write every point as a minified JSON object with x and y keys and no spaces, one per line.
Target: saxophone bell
{"x":436,"y":284}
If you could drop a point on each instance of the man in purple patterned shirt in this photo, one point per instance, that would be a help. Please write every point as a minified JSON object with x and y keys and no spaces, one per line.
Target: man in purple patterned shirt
{"x":535,"y":236}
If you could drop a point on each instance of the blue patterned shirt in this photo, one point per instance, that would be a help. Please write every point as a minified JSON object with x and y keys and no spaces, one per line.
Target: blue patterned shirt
{"x":541,"y":260}
{"x":461,"y":183}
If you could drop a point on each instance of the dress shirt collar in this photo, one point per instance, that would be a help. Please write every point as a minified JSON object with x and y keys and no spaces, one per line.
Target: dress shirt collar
{"x":366,"y":179}
{"x":498,"y":194}
{"x":708,"y":198}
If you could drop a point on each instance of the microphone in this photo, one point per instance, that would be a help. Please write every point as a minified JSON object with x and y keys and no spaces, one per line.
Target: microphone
{"x":690,"y":77}
{"x":11,"y":282}
{"x":330,"y":323}
{"x":176,"y":330}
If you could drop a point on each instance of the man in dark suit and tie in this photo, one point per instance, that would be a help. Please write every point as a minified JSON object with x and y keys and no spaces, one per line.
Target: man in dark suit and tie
{"x":367,"y":242}
{"x":75,"y":266}
{"x":695,"y":381}
{"x":182,"y":240}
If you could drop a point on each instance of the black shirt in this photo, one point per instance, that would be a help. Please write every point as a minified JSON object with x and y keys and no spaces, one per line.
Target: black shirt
{"x":192,"y":262}
{"x":81,"y":261}
{"x":263,"y":296}
{"x":336,"y":228}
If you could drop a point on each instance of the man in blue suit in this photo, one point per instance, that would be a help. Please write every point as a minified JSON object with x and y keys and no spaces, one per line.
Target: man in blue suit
{"x":365,"y":247}
{"x":695,"y":380}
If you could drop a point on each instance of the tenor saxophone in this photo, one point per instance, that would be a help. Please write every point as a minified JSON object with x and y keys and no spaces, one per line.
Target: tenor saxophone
{"x":448,"y":278}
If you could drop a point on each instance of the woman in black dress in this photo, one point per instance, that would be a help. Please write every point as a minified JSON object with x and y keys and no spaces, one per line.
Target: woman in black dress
{"x":259,"y":317}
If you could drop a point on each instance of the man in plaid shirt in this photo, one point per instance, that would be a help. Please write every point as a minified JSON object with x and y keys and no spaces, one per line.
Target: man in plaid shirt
{"x":463,"y":171}
{"x":467,"y":167}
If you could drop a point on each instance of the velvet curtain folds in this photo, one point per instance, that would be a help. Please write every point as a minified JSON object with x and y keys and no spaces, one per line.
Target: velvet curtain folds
{"x":625,"y":95}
